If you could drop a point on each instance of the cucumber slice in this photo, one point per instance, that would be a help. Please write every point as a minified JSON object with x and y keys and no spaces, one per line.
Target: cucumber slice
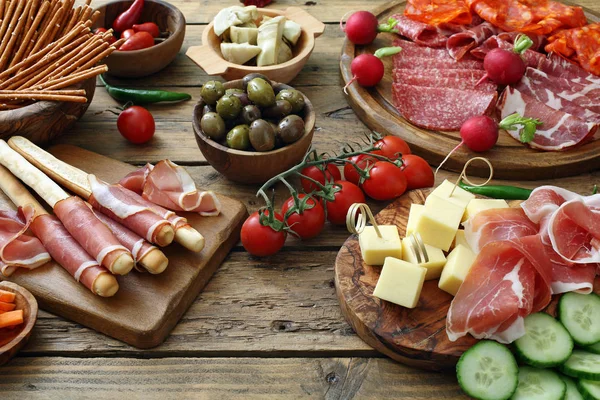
{"x":546,"y":342}
{"x":583,"y":365}
{"x":580,"y":314}
{"x":572,"y":391}
{"x":590,"y":390}
{"x":487,"y":371}
{"x":539,"y":384}
{"x":595,"y":348}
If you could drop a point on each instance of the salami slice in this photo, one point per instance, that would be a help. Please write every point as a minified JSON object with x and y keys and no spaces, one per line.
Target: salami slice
{"x":578,"y":44}
{"x":558,"y":131}
{"x":433,"y":78}
{"x":531,"y":58}
{"x":459,"y":44}
{"x":440,"y":108}
{"x":434,"y":63}
{"x":411,"y":49}
{"x":418,"y":32}
{"x":446,"y":11}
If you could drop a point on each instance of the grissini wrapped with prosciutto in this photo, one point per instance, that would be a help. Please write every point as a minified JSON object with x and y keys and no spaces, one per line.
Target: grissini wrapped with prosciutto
{"x":59,"y":243}
{"x":74,"y":214}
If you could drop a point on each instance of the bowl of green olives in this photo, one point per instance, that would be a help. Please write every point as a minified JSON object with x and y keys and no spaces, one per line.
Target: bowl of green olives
{"x":252,"y":129}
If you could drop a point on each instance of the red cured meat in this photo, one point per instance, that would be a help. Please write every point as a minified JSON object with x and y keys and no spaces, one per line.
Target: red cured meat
{"x":17,"y":249}
{"x":411,"y":49}
{"x":558,"y":131}
{"x":568,"y":277}
{"x":441,"y":108}
{"x":65,"y":250}
{"x":470,"y":75}
{"x":434,"y":63}
{"x":427,"y":79}
{"x":459,"y":44}
{"x":558,"y":66}
{"x":418,"y":32}
{"x":447,"y":11}
{"x":134,"y":181}
{"x":580,"y":44}
{"x":531,"y":58}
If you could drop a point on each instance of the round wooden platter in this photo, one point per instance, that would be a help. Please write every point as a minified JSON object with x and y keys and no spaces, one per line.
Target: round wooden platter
{"x":511,"y":159}
{"x":417,"y":336}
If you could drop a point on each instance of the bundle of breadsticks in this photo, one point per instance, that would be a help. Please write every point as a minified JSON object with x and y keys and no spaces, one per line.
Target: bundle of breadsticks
{"x":46,"y":47}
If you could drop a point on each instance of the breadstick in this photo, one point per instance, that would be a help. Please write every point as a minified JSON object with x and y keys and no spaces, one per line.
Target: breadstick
{"x":42,"y":96}
{"x":44,"y":37}
{"x":75,"y":78}
{"x":7,"y":17}
{"x":29,"y":36}
{"x":7,"y":51}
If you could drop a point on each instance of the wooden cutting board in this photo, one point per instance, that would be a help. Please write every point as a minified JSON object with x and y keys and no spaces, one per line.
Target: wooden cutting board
{"x":511,"y":159}
{"x":147,"y":307}
{"x":417,"y":336}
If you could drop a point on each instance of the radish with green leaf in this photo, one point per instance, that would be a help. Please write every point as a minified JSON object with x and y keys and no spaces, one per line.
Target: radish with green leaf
{"x":505,"y":67}
{"x":367,"y":69}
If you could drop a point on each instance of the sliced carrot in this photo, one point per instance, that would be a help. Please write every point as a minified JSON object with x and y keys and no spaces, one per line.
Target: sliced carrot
{"x":11,"y":318}
{"x":7,"y":306}
{"x":7,"y":297}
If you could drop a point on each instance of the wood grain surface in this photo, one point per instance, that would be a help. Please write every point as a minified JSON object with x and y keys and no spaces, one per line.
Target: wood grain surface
{"x":511,"y":159}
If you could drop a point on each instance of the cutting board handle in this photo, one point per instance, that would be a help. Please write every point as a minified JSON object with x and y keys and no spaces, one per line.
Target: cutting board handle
{"x":309,"y":23}
{"x":207,"y":59}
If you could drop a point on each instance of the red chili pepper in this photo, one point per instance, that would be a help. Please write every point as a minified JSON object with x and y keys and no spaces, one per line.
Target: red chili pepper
{"x":141,"y":40}
{"x":149,"y":27}
{"x":127,"y":33}
{"x":129,"y":17}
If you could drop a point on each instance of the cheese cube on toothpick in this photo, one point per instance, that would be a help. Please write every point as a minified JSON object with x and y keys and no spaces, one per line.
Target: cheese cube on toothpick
{"x":452,"y":193}
{"x":435,"y":258}
{"x":439,"y":222}
{"x":375,"y":248}
{"x":415,"y":212}
{"x":400,"y":282}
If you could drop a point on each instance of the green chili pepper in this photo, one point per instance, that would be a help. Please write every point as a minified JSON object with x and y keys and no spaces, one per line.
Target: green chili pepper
{"x":139,"y":96}
{"x":498,"y":191}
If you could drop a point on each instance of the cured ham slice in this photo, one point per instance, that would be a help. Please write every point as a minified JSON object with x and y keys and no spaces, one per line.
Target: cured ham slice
{"x":531,"y":58}
{"x":170,"y":186}
{"x":422,"y":63}
{"x":569,"y":277}
{"x":418,"y":32}
{"x":18,"y":249}
{"x":557,"y":66}
{"x":440,"y":108}
{"x":454,"y":78}
{"x":558,"y":131}
{"x":459,"y":44}
{"x":544,"y":201}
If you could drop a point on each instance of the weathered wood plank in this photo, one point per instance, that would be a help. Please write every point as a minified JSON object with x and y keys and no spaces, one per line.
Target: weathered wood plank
{"x":202,"y":378}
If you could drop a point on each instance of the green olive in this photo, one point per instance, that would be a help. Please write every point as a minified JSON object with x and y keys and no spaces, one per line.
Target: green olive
{"x":213,"y":126}
{"x":212,"y":91}
{"x":229,"y":106}
{"x":295,"y":98}
{"x":261,"y":92}
{"x":282,"y":108}
{"x":290,"y":129}
{"x":251,"y":113}
{"x":233,"y":90}
{"x":238,"y":138}
{"x":249,"y":77}
{"x":243,"y":96}
{"x":262,"y":135}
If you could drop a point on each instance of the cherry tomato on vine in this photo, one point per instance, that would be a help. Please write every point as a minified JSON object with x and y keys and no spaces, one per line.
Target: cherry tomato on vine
{"x":310,"y":222}
{"x":363,"y":161}
{"x":386,"y":181}
{"x":392,"y":146}
{"x":348,"y":195}
{"x":331,"y":173}
{"x":418,"y":173}
{"x":136,"y":124}
{"x":260,"y":240}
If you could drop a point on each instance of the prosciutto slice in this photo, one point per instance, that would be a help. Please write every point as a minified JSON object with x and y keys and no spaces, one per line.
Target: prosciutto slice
{"x":18,"y":249}
{"x":170,"y":186}
{"x":459,"y":44}
{"x":557,"y":66}
{"x":532,"y":58}
{"x":418,"y":32}
{"x":559,"y":130}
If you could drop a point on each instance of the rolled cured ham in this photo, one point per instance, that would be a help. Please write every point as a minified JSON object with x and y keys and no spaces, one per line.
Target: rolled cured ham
{"x":418,"y":32}
{"x":459,"y":44}
{"x":170,"y":186}
{"x":18,"y":249}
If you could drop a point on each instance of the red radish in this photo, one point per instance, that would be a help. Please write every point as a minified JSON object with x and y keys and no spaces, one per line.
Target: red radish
{"x":361,"y":27}
{"x":505,"y":67}
{"x":367,"y":69}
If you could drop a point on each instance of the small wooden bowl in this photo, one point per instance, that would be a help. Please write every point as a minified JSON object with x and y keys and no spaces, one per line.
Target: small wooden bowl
{"x":209,"y":56}
{"x":26,"y":302}
{"x":43,"y":121}
{"x":140,"y":63}
{"x":253,"y":166}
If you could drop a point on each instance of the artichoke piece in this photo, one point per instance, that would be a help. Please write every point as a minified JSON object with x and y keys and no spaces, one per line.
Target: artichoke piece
{"x":232,"y":16}
{"x":292,"y":31}
{"x":285,"y":53}
{"x":243,"y":35}
{"x":239,"y":53}
{"x":270,"y":36}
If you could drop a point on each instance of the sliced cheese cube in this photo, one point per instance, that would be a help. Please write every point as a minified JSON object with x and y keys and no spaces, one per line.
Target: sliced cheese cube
{"x":436,"y":263}
{"x":461,"y":239}
{"x":400,"y":282}
{"x":438,"y":224}
{"x":460,"y":197}
{"x":477,"y":205}
{"x":415,"y":212}
{"x":375,"y":249}
{"x":458,"y":265}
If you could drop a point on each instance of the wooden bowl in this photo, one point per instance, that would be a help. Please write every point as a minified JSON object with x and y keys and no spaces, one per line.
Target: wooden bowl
{"x":26,"y":302}
{"x":42,"y":121}
{"x":253,"y":166}
{"x":209,"y":56}
{"x":140,"y":63}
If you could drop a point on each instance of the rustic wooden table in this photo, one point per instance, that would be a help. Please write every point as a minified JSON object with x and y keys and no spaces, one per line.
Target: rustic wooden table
{"x":262,"y":328}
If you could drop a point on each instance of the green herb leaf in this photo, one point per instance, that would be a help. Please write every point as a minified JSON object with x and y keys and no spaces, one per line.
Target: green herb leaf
{"x":389,"y":26}
{"x":387,"y":51}
{"x":522,"y":43}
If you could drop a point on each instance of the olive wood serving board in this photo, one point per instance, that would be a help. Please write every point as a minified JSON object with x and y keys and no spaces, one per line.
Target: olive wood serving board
{"x":417,"y":336}
{"x":147,"y":307}
{"x":511,"y":159}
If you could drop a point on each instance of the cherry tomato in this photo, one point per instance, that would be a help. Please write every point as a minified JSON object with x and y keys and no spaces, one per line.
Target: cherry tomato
{"x":386,"y":181}
{"x":348,"y":195}
{"x":136,"y":124}
{"x":260,"y":240}
{"x":363,"y":161}
{"x":331,"y":173}
{"x":392,"y":146}
{"x":127,"y":33}
{"x":149,"y":27}
{"x":140,"y":40}
{"x":418,"y":173}
{"x":308,"y":224}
